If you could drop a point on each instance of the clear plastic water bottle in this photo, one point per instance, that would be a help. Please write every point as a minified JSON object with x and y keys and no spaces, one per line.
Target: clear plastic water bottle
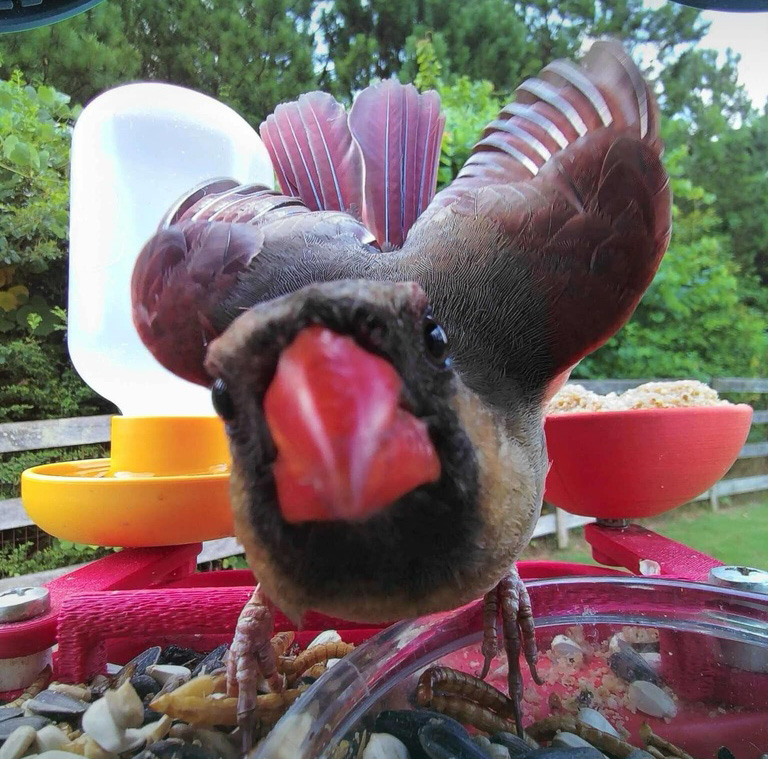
{"x":135,"y":150}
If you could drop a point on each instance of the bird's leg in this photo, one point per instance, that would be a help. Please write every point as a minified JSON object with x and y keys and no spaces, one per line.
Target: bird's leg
{"x":251,"y":658}
{"x":518,"y":631}
{"x":490,"y":630}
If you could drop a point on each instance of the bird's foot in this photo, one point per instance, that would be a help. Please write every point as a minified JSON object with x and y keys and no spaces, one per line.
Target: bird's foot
{"x":518,"y":632}
{"x":251,"y":658}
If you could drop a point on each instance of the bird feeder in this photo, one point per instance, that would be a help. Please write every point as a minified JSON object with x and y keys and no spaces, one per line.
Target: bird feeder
{"x":135,"y":150}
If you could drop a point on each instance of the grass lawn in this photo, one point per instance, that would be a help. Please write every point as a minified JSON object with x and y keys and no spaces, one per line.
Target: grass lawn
{"x":734,"y":535}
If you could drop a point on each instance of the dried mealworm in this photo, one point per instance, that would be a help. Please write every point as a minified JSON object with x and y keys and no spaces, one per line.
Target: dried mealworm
{"x":320,"y":653}
{"x":277,"y":702}
{"x":547,"y":727}
{"x":203,"y":711}
{"x":471,"y":714}
{"x":200,"y":705}
{"x":38,"y":684}
{"x":656,"y":741}
{"x":446,"y":680}
{"x":282,"y":641}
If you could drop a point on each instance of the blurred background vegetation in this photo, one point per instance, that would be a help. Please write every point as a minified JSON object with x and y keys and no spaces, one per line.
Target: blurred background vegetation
{"x":705,"y":313}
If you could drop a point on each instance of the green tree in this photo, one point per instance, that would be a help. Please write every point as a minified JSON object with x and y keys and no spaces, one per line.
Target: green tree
{"x":251,"y":54}
{"x":693,"y":320}
{"x":496,"y":40}
{"x":34,"y":129}
{"x":738,"y":175}
{"x":467,"y":105}
{"x":363,"y":41}
{"x":37,"y":379}
{"x":731,"y":164}
{"x":703,"y":95}
{"x":726,"y":138}
{"x":482,"y":41}
{"x":81,"y":56}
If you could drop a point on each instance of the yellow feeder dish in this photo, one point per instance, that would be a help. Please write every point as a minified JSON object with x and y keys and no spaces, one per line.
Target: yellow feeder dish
{"x":167,"y":483}
{"x":135,"y":150}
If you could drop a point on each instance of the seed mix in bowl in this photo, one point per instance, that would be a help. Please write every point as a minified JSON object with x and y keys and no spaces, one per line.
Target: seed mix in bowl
{"x":171,"y":703}
{"x":166,"y":703}
{"x":575,"y":398}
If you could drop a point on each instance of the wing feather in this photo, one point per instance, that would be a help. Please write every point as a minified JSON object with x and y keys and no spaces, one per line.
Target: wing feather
{"x":310,"y":143}
{"x":398,"y":131}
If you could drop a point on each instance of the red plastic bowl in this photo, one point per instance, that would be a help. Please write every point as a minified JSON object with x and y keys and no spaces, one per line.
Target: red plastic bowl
{"x":639,"y":463}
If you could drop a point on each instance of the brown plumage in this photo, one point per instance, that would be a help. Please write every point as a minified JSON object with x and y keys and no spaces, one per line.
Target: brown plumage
{"x":553,"y":263}
{"x":533,"y":257}
{"x":442,"y":544}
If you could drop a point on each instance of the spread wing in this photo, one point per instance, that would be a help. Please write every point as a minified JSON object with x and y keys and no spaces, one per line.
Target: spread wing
{"x":379,"y":162}
{"x":186,"y":274}
{"x":567,"y":190}
{"x":348,"y":180}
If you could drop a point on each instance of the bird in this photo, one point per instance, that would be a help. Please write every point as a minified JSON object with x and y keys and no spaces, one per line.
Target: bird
{"x":381,"y":354}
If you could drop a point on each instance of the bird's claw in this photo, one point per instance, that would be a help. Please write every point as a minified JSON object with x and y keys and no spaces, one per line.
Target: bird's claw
{"x":490,"y":645}
{"x":511,"y":596}
{"x":251,"y":658}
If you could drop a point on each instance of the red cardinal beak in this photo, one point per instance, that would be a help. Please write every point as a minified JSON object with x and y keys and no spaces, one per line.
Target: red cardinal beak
{"x":345,"y":448}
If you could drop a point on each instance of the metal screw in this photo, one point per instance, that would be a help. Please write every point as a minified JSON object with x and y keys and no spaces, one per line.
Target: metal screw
{"x":740,"y":578}
{"x":18,"y":604}
{"x":614,"y":524}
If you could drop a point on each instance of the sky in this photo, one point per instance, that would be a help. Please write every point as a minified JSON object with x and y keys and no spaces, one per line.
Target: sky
{"x":746,"y":34}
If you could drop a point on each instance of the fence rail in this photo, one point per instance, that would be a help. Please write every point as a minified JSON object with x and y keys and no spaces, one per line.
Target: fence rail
{"x":61,"y":433}
{"x":53,"y":433}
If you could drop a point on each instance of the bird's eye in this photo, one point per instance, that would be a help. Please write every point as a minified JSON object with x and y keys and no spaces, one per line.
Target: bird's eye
{"x":435,"y":341}
{"x":222,"y":401}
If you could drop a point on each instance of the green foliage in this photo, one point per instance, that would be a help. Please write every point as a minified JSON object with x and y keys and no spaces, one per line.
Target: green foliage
{"x":363,"y":41}
{"x":702,"y":95}
{"x":727,"y":141}
{"x":251,"y":54}
{"x":34,"y":194}
{"x":39,"y":383}
{"x":234,"y":562}
{"x":495,"y":40}
{"x":694,"y":320}
{"x":428,"y":68}
{"x":13,"y":464}
{"x":483,"y":40}
{"x":733,"y":167}
{"x":37,"y":380}
{"x":468,"y":106}
{"x":82,"y":56}
{"x":23,"y":559}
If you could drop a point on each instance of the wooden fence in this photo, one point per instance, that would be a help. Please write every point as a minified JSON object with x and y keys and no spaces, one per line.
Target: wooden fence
{"x":55,"y":433}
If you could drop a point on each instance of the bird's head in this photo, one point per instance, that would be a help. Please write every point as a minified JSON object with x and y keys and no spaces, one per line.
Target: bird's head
{"x":346,"y":386}
{"x":356,"y":463}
